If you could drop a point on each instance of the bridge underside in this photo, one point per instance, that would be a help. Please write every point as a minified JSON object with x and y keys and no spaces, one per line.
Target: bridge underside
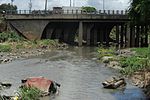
{"x":84,"y":33}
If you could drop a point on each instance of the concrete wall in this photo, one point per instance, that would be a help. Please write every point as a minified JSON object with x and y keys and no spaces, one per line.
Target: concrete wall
{"x":31,"y":29}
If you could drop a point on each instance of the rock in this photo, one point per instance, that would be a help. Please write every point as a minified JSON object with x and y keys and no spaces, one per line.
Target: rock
{"x":45,"y":85}
{"x":106,"y":59}
{"x":114,"y":83}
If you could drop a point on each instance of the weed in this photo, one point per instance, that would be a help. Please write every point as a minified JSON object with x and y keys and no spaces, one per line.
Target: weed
{"x":5,"y":48}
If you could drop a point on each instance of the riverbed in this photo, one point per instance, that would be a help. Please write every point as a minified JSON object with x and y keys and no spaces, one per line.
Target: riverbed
{"x":78,"y":71}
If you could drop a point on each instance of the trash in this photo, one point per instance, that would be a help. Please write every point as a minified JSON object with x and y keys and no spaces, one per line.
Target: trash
{"x":114,"y":83}
{"x":45,"y":85}
{"x":5,"y":84}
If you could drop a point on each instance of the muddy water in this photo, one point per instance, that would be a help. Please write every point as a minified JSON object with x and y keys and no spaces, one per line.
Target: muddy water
{"x":76,"y":69}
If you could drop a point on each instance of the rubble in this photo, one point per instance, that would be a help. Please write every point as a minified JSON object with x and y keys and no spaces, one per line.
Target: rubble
{"x":114,"y":83}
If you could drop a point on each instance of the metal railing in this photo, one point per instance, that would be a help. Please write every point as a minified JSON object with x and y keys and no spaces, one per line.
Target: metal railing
{"x":50,"y":12}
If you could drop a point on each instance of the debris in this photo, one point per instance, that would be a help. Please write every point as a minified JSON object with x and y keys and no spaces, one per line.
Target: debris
{"x":114,"y":83}
{"x":45,"y":85}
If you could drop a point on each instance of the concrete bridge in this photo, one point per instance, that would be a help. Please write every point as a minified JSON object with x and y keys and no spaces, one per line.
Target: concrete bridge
{"x":86,"y":28}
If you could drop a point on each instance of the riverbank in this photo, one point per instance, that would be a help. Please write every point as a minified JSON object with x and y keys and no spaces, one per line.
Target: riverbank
{"x":133,"y":63}
{"x":13,"y":46}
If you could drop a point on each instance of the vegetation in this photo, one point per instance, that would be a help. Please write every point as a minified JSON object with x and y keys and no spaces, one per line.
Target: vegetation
{"x":139,"y":11}
{"x":106,"y":52}
{"x":8,"y":7}
{"x":10,"y":36}
{"x":137,"y":62}
{"x":29,"y":93}
{"x":88,"y":9}
{"x":5,"y":48}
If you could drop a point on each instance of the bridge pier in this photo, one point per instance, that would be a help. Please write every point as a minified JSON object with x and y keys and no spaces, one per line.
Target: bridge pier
{"x":80,"y":35}
{"x":89,"y":28}
{"x":95,"y":36}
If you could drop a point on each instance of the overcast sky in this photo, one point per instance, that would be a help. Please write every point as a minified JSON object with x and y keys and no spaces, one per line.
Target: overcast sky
{"x":39,"y":4}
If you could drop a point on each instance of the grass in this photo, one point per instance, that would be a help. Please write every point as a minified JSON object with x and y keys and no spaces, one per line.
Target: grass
{"x":106,"y":52}
{"x":29,"y":93}
{"x":5,"y":48}
{"x":136,"y":62}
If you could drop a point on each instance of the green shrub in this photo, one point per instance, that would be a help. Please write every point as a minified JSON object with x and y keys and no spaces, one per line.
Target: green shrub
{"x":5,"y":48}
{"x":29,"y":93}
{"x":10,"y":36}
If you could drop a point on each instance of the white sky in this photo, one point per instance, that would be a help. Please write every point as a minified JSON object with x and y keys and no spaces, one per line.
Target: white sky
{"x":39,"y":4}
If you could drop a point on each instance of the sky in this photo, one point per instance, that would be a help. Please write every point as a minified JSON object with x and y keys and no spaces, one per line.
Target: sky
{"x":98,"y":4}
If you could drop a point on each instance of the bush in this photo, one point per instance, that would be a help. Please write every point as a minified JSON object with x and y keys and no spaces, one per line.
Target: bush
{"x":29,"y":93}
{"x":10,"y":36}
{"x":5,"y":48}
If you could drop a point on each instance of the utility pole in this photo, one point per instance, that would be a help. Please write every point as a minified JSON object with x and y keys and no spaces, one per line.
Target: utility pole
{"x":70,"y":3}
{"x":12,"y":2}
{"x":73,"y":3}
{"x":30,"y":6}
{"x":103,"y":5}
{"x":45,"y":5}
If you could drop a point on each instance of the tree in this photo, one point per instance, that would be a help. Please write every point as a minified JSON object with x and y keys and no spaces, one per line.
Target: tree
{"x":8,"y":7}
{"x":88,"y":9}
{"x":139,"y":11}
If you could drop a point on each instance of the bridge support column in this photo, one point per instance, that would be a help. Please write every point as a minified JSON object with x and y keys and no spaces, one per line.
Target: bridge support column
{"x":132,"y":36}
{"x":95,"y":36}
{"x":89,"y":34}
{"x":128,"y":35}
{"x":117,"y":35}
{"x":125,"y":36}
{"x":122,"y":36}
{"x":80,"y":33}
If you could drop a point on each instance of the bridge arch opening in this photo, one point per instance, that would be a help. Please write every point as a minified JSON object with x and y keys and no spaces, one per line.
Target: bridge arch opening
{"x":63,"y":31}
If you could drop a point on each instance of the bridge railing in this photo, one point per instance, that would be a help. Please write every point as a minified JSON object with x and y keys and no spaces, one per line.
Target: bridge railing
{"x":51,"y":12}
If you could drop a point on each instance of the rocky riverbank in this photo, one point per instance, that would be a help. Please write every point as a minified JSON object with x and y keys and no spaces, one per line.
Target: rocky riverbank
{"x":133,"y":63}
{"x":26,"y":52}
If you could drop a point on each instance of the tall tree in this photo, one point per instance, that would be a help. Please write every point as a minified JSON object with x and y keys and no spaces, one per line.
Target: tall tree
{"x":139,"y":11}
{"x":8,"y":7}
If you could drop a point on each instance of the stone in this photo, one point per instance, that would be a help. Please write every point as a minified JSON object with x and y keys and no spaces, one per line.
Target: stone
{"x":106,"y":59}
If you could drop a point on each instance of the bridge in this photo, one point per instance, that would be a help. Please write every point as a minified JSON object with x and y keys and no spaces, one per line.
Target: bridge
{"x":78,"y":26}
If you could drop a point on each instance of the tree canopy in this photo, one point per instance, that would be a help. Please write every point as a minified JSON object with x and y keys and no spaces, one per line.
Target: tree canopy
{"x":89,"y":9}
{"x":139,"y":11}
{"x":5,"y":7}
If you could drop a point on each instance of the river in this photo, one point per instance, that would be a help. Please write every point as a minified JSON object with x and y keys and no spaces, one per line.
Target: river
{"x":76,"y":69}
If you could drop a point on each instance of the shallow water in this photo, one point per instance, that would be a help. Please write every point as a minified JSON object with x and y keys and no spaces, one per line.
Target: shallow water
{"x":76,"y":69}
